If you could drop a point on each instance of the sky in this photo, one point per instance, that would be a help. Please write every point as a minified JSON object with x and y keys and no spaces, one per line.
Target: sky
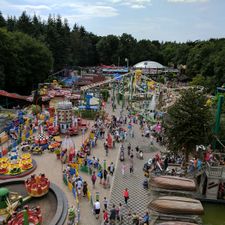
{"x":163,"y":20}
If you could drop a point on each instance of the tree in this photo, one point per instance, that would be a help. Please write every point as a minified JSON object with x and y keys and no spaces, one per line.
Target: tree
{"x":107,"y":48}
{"x":188,"y":123}
{"x":2,"y":20}
{"x":24,"y":24}
{"x":24,"y":62}
{"x":126,"y":47}
{"x":11,"y":23}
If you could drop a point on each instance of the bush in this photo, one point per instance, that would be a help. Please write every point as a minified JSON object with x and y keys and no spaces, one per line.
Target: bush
{"x":88,"y":114}
{"x":105,"y":94}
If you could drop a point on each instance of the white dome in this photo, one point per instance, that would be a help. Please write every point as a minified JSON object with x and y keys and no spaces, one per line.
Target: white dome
{"x":148,"y":65}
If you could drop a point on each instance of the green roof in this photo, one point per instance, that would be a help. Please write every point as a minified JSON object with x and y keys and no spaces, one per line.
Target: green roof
{"x":4,"y":191}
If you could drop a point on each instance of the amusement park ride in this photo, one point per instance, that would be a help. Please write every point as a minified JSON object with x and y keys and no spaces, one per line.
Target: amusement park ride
{"x":36,"y":186}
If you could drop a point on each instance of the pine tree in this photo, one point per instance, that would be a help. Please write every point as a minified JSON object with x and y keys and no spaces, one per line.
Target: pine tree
{"x":187,"y":123}
{"x":2,"y":20}
{"x":24,"y":24}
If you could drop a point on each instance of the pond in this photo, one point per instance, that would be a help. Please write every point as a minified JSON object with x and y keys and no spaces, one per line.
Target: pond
{"x":214,"y":214}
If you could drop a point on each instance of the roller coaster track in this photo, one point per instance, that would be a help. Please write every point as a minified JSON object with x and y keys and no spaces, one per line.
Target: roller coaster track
{"x":85,"y":88}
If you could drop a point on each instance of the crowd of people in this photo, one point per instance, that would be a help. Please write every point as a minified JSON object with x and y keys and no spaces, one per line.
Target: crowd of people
{"x":117,"y":213}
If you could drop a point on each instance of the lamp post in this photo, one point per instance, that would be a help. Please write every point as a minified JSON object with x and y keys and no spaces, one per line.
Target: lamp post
{"x":127,"y":61}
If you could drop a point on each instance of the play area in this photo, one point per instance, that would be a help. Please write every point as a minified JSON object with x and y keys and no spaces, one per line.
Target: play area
{"x":74,"y":134}
{"x":50,"y":127}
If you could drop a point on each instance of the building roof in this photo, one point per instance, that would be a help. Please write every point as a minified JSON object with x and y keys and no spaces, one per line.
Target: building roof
{"x":149,"y":65}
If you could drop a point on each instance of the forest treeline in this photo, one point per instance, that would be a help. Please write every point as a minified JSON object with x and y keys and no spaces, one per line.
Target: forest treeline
{"x":31,"y":48}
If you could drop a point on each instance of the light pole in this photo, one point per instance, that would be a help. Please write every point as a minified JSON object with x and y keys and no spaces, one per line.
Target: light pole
{"x":127,"y":61}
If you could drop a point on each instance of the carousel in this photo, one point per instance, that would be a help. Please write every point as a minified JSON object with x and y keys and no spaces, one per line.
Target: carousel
{"x":15,"y":165}
{"x":37,"y":186}
{"x":26,"y":216}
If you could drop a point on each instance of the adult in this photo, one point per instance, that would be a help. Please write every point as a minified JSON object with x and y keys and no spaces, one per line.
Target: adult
{"x":146,"y":219}
{"x":128,"y":149}
{"x":105,"y":173}
{"x":97,"y":208}
{"x":112,"y":216}
{"x":106,"y":149}
{"x":135,"y":219}
{"x":126,"y":196}
{"x":131,"y":168}
{"x":121,"y":212}
{"x":85,"y":188}
{"x":123,"y":168}
{"x":111,"y":168}
{"x":100,"y":175}
{"x":93,"y":179}
{"x":165,"y":166}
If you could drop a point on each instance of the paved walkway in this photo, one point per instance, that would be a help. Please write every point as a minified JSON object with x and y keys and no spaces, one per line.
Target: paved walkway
{"x":139,"y":197}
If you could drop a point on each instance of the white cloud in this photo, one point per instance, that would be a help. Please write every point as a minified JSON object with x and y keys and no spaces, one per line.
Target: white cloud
{"x":86,"y":11}
{"x":187,"y":1}
{"x":136,"y":4}
{"x":73,"y":10}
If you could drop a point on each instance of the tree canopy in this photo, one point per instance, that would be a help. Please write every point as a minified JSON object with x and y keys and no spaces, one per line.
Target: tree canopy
{"x":188,"y":122}
{"x":78,"y":47}
{"x":24,"y":62}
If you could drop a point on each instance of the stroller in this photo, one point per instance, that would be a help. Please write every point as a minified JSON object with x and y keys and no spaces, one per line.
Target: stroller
{"x":122,"y":155}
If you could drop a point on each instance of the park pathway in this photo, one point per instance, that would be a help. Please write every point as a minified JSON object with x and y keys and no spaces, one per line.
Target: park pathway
{"x":139,"y":197}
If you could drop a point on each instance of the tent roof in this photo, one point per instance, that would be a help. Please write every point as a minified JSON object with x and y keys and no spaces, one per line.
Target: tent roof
{"x":149,"y":65}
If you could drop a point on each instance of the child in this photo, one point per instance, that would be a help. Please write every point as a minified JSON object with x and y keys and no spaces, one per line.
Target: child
{"x":105,"y":217}
{"x":105,"y":203}
{"x":123,"y":168}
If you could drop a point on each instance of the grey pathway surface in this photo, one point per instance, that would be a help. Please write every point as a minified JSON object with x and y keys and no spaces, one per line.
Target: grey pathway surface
{"x":139,"y":197}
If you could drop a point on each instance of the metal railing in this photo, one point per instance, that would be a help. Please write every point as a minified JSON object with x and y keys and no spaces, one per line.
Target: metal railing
{"x":215,"y":171}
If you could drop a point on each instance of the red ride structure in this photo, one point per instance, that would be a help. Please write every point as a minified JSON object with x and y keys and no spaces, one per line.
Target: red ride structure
{"x":37,"y":186}
{"x":26,"y":216}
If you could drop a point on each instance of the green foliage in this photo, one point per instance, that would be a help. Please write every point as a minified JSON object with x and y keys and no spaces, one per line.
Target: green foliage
{"x":82,"y":48}
{"x":105,"y":94}
{"x":161,"y":79}
{"x":36,"y":109}
{"x":88,"y":114}
{"x":187,"y":123}
{"x":57,"y":151}
{"x":23,"y":58}
{"x":2,"y":21}
{"x":107,"y":48}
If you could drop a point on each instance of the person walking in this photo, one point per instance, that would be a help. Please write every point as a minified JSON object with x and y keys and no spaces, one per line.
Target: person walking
{"x":123,"y":168}
{"x":111,"y":168}
{"x":128,"y":149}
{"x":105,"y":217}
{"x":126,"y":196}
{"x":105,"y":203}
{"x":131,"y":168}
{"x":106,"y":149}
{"x":85,"y":188}
{"x":121,"y":212}
{"x":146,"y":219}
{"x":105,"y":173}
{"x":100,"y":175}
{"x":112,"y":217}
{"x":97,"y":208}
{"x":93,"y":179}
{"x":108,"y":181}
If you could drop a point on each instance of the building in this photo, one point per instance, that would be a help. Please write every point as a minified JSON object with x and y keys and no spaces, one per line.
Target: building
{"x":150,"y":67}
{"x":65,"y":116}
